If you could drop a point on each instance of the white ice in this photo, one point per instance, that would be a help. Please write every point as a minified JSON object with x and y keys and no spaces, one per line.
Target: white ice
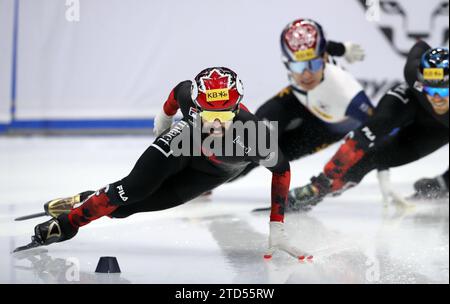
{"x":353,"y":237}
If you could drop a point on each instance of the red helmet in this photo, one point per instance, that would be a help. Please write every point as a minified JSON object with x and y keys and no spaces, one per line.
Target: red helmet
{"x":302,"y":40}
{"x":217,"y":89}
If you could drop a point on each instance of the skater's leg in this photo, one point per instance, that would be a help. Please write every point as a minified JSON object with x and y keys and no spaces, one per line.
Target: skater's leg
{"x":409,"y":145}
{"x":150,"y":171}
{"x":179,"y":189}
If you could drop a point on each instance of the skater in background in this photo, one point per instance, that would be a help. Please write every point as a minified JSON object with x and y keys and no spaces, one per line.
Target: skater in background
{"x":410,"y":122}
{"x":161,"y":180}
{"x":323,"y":102}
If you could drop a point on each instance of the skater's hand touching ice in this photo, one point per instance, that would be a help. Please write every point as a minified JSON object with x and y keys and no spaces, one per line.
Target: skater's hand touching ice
{"x":278,"y":240}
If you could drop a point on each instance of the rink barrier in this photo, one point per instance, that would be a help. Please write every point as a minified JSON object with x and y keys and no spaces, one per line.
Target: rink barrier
{"x":37,"y":126}
{"x":3,"y":128}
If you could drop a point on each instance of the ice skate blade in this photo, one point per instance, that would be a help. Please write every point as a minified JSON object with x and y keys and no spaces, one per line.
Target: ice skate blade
{"x":32,"y":245}
{"x":31,"y":216}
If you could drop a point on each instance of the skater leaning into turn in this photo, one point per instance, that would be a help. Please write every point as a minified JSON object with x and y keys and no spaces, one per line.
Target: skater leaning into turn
{"x":162,"y":179}
{"x":323,"y":102}
{"x":410,"y":122}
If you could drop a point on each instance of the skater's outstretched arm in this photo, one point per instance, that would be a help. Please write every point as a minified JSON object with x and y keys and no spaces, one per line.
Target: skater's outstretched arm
{"x":164,"y":119}
{"x":393,"y":112}
{"x":275,"y":161}
{"x":281,"y":180}
{"x":352,"y":52}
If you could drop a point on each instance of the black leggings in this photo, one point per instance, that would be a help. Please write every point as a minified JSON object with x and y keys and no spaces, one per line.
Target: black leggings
{"x":410,"y":144}
{"x":159,"y":182}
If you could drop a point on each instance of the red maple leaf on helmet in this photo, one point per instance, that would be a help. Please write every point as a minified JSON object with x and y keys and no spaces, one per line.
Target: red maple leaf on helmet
{"x":215,"y":80}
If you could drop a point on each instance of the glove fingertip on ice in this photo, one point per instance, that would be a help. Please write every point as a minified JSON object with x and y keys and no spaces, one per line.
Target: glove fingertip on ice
{"x":305,"y":258}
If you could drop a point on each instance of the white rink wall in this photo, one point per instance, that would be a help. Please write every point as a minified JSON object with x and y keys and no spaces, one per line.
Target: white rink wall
{"x":121,"y":58}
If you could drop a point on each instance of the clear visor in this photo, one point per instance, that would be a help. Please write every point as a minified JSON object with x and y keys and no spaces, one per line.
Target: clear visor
{"x":431,"y":91}
{"x":299,"y":67}
{"x":212,"y":116}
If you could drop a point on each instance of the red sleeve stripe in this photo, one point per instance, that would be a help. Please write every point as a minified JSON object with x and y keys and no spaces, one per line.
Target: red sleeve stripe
{"x":171,"y":105}
{"x":280,"y":189}
{"x":243,"y":107}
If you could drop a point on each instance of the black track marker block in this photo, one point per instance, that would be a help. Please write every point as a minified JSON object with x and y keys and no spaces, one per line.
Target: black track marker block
{"x":108,"y":265}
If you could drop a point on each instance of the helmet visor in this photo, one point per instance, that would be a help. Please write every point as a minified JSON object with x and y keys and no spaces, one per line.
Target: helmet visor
{"x":431,"y":91}
{"x":212,"y":116}
{"x":299,"y":67}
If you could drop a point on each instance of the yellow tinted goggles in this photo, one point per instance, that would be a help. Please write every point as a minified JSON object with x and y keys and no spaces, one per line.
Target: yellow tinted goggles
{"x":212,"y":116}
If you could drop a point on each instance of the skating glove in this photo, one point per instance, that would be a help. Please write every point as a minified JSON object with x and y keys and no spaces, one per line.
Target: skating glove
{"x":278,"y":240}
{"x":353,"y":52}
{"x":162,"y":123}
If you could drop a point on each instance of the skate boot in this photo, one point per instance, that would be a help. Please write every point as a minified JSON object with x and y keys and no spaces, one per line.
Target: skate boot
{"x":54,"y":230}
{"x":306,"y":197}
{"x":56,"y":207}
{"x":303,"y":198}
{"x":430,"y":188}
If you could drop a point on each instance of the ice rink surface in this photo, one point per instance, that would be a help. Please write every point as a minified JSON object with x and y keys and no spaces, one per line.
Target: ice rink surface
{"x":354,"y":238}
